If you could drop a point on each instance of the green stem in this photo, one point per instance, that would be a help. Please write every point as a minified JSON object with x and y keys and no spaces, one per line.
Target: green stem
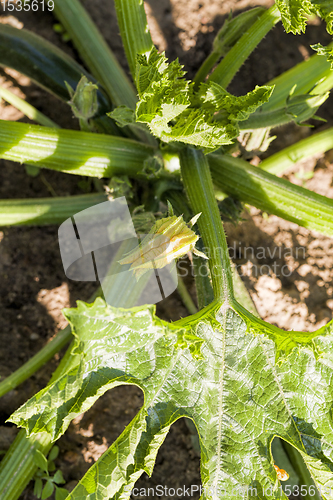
{"x":297,"y":112}
{"x":206,"y":67}
{"x":228,"y":67}
{"x":203,"y":285}
{"x":201,"y":271}
{"x":18,"y":466}
{"x":186,"y":297}
{"x":315,"y":144}
{"x":79,"y":153}
{"x":305,"y":76}
{"x":133,"y":25}
{"x":26,"y":108}
{"x":36,"y":362}
{"x":226,"y":38}
{"x":271,"y":194}
{"x":95,"y":51}
{"x":199,"y":188}
{"x":32,"y":211}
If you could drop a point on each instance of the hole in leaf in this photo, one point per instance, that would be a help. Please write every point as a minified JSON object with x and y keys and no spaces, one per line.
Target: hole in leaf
{"x":91,"y":433}
{"x":177,"y":466}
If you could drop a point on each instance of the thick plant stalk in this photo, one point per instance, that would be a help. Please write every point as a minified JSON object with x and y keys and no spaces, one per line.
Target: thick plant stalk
{"x":309,"y":81}
{"x":230,"y":64}
{"x":205,"y":294}
{"x":298,"y":112}
{"x":199,"y":188}
{"x":133,"y":25}
{"x":18,"y":466}
{"x":271,"y":194}
{"x":80,"y":153}
{"x":95,"y":51}
{"x":99,"y":58}
{"x":43,"y":211}
{"x":287,"y":157}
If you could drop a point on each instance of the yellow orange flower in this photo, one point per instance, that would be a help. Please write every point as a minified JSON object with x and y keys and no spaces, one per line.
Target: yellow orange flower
{"x":169,"y":239}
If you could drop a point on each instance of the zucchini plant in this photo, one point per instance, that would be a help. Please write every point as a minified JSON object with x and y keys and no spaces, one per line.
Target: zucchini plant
{"x":240,"y":380}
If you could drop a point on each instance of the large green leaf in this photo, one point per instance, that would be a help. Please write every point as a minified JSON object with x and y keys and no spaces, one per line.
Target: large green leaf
{"x":239,"y":379}
{"x":175,"y":112}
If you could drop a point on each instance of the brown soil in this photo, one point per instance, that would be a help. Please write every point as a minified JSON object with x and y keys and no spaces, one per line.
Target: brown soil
{"x":295,"y":294}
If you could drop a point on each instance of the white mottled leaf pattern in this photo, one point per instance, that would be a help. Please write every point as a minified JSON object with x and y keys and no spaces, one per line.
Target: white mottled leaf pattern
{"x":243,"y":383}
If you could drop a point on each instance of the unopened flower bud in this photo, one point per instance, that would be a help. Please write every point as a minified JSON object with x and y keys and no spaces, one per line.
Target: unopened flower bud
{"x":84,"y":99}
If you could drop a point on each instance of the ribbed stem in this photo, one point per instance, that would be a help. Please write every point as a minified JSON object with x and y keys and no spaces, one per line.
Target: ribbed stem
{"x":231,"y":31}
{"x":230,"y":64}
{"x":305,"y":76}
{"x":18,"y":466}
{"x":37,"y":58}
{"x":298,"y":112}
{"x":199,"y":188}
{"x":32,"y":211}
{"x":267,"y":192}
{"x":134,"y":31}
{"x":287,"y":157}
{"x":80,"y":153}
{"x":206,"y":67}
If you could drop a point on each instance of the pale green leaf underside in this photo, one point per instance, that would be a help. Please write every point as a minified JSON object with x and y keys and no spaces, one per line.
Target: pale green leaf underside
{"x":236,"y":394}
{"x":175,"y":113}
{"x":294,"y":12}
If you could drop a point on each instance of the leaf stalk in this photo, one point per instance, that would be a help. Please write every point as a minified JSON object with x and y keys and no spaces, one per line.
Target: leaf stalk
{"x":230,"y":64}
{"x":199,"y":188}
